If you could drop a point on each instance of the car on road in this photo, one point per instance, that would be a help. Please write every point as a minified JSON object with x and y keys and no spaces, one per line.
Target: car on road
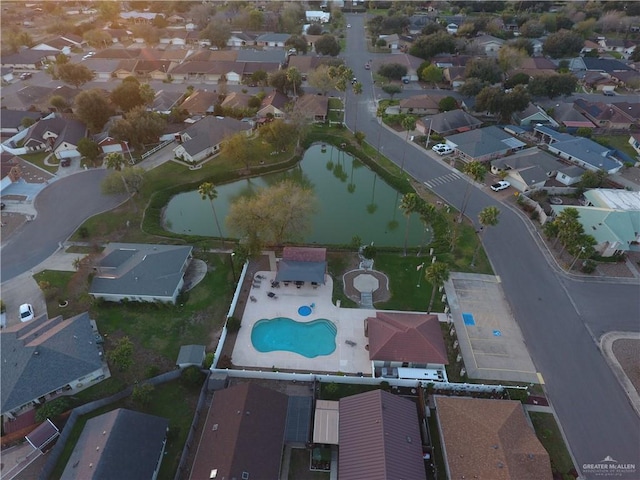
{"x":26,"y":312}
{"x":442,"y":149}
{"x":367,"y":66}
{"x":25,"y":75}
{"x":88,"y":55}
{"x":501,"y":185}
{"x":348,"y":25}
{"x":354,"y":80}
{"x":609,"y":93}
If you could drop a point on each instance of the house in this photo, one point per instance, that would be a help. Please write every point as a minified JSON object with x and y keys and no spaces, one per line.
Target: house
{"x":611,"y":44}
{"x":118,"y":34}
{"x":10,"y":171}
{"x":454,"y":76}
{"x":200,"y":102}
{"x":11,"y":120}
{"x":241,"y":39}
{"x":61,"y":44}
{"x":317,"y":16}
{"x":119,"y":444}
{"x":409,"y":61}
{"x":606,"y":65}
{"x":56,"y":134}
{"x":587,"y":154}
{"x":302,"y":264}
{"x":273,"y":105}
{"x":634,"y":141}
{"x":421,"y":104}
{"x":139,"y":17}
{"x":7,"y":74}
{"x":627,"y":79}
{"x":272,"y":39}
{"x":306,"y":63}
{"x":27,"y":59}
{"x":140,"y":272}
{"x":392,"y":42}
{"x":164,"y":101}
{"x":243,"y":436}
{"x":612,"y":217}
{"x":565,"y":114}
{"x":103,"y":68}
{"x":485,"y":438}
{"x":534,"y":114}
{"x":406,"y":345}
{"x":535,"y":66}
{"x":314,"y":107}
{"x":379,"y":438}
{"x":632,"y":110}
{"x":204,"y":138}
{"x":527,"y":169}
{"x":483,"y":144}
{"x":48,"y":357}
{"x":604,"y":115}
{"x":107,"y":143}
{"x":236,"y":101}
{"x":487,"y":44}
{"x":261,"y":56}
{"x":191,"y":355}
{"x":570,"y":175}
{"x":448,"y":123}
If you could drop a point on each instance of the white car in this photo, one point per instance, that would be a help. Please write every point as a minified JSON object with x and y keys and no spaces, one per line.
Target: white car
{"x":348,"y":25}
{"x":442,"y":149}
{"x":501,"y":185}
{"x":26,"y":312}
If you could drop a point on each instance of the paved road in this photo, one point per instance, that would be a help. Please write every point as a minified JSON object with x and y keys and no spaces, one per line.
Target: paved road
{"x":59,"y":214}
{"x":560,"y":318}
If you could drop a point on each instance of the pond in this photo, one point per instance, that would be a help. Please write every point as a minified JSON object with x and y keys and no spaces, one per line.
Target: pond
{"x":352,"y":200}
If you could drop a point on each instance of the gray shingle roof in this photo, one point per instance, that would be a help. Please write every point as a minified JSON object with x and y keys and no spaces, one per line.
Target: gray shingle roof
{"x":587,"y":151}
{"x":43,"y":356}
{"x":483,"y":141}
{"x":118,"y":444}
{"x":133,"y":269}
{"x":268,"y":56}
{"x":211,"y":131}
{"x":12,"y":118}
{"x":191,"y":354}
{"x":452,"y":120}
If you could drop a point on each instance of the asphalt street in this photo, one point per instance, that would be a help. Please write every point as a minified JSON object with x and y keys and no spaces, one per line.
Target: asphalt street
{"x":561,"y":318}
{"x":62,"y":207}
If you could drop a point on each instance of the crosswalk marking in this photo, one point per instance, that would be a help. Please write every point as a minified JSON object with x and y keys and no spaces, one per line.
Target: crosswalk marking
{"x":449,"y":177}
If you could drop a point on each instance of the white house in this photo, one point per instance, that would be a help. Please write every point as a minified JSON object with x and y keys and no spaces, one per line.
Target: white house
{"x":317,"y":16}
{"x":204,"y":138}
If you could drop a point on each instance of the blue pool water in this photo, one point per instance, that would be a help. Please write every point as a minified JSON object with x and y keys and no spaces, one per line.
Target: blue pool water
{"x":304,"y":310}
{"x":309,"y":339}
{"x":468,"y":319}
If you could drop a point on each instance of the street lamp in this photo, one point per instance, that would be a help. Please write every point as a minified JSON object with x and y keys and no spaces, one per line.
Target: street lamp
{"x":131,"y":161}
{"x":420,"y":273}
{"x":233,"y":270}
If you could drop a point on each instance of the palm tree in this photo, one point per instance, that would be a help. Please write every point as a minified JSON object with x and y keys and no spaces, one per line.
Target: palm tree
{"x":207,"y":190}
{"x":488,"y":217}
{"x":294,"y":77}
{"x":437,"y":273}
{"x":477,"y":171}
{"x":427,"y":214}
{"x":357,"y":91}
{"x":115,"y":161}
{"x":409,"y":204}
{"x":409,"y":124}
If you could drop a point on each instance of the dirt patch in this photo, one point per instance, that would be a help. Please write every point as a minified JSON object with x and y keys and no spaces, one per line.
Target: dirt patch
{"x":627,"y":352}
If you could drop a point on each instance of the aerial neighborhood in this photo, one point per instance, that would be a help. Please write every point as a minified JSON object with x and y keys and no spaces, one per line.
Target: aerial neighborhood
{"x":340,"y":239}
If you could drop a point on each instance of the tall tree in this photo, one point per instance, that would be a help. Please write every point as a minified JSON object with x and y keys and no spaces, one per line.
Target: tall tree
{"x":583,"y":247}
{"x":320,"y":79}
{"x":409,"y":125}
{"x":139,"y":128}
{"x":239,"y":149}
{"x":131,"y":93}
{"x":207,"y":191}
{"x":437,"y":273}
{"x":327,"y":45}
{"x":357,"y":91}
{"x":488,"y":217}
{"x":477,"y":171}
{"x":428,"y":214}
{"x":74,"y":74}
{"x":295,"y":79}
{"x":217,"y":33}
{"x":409,"y":204}
{"x":92,"y":108}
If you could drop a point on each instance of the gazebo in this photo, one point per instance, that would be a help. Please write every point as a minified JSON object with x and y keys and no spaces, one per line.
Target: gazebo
{"x":302,"y":264}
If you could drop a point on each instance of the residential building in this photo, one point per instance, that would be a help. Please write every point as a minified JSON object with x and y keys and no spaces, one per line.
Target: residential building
{"x":634,"y":141}
{"x":317,"y":16}
{"x":612,"y":217}
{"x":56,"y":134}
{"x":11,"y":120}
{"x":140,"y":272}
{"x":274,"y":105}
{"x":406,"y":345}
{"x":585,"y":153}
{"x":484,"y":144}
{"x":236,"y":101}
{"x":487,"y":44}
{"x":27,"y":59}
{"x":421,"y":104}
{"x":448,"y":123}
{"x":527,"y":169}
{"x":533,"y":115}
{"x":272,"y":39}
{"x":302,"y":264}
{"x":484,"y":438}
{"x":48,"y":357}
{"x":103,"y":68}
{"x":119,"y":444}
{"x":243,"y":435}
{"x":10,"y":171}
{"x":200,"y":102}
{"x":314,"y":107}
{"x":604,"y":115}
{"x":379,"y":438}
{"x":204,"y":138}
{"x":570,"y":175}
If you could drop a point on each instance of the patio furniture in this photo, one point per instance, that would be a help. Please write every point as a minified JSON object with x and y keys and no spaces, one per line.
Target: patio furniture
{"x":253,"y":299}
{"x":351,"y":343}
{"x":271,"y":295}
{"x":261,"y":277}
{"x":275,"y":284}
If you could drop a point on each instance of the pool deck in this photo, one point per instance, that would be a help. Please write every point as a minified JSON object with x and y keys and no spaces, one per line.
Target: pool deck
{"x":349,"y":321}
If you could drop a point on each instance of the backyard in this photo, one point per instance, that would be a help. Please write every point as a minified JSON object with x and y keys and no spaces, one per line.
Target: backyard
{"x":549,"y":435}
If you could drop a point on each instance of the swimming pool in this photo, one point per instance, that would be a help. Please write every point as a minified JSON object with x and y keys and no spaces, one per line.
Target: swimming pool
{"x":309,"y":339}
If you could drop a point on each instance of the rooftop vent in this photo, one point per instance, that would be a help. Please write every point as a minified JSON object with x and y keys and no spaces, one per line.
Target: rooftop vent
{"x":214,"y":473}
{"x":215,"y":427}
{"x":245,"y":475}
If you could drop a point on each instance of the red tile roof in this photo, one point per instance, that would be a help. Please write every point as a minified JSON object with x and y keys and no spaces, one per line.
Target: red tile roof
{"x":244,"y":432}
{"x":379,"y":438}
{"x":484,"y":438}
{"x":406,"y":337}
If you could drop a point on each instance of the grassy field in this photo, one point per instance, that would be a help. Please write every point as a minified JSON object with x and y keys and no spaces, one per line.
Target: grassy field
{"x":549,"y":434}
{"x":619,"y":142}
{"x":173,"y":401}
{"x":299,"y":467}
{"x":38,"y":159}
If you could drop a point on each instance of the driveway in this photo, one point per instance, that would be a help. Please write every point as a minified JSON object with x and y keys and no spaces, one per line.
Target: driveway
{"x":62,"y":207}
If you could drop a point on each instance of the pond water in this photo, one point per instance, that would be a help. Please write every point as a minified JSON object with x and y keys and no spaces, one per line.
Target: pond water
{"x":352,"y":200}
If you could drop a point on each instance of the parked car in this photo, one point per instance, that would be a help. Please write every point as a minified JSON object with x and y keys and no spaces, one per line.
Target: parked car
{"x":442,"y":149}
{"x":65,"y":162}
{"x":26,"y":312}
{"x":609,"y":93}
{"x":88,"y":55}
{"x":367,"y":66}
{"x":501,"y":185}
{"x":25,"y":75}
{"x":348,"y":25}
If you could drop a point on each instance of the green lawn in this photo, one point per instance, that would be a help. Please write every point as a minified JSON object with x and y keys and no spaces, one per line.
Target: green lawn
{"x":335,"y":104}
{"x":619,"y":142}
{"x":171,"y":400}
{"x":38,"y":159}
{"x":56,"y":289}
{"x":549,"y":434}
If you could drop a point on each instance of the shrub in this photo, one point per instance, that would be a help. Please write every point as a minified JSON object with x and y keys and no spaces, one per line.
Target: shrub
{"x":52,"y":409}
{"x":588,"y":266}
{"x":152,"y":371}
{"x":208,"y":360}
{"x":143,"y":394}
{"x":192,"y":377}
{"x":233,"y":324}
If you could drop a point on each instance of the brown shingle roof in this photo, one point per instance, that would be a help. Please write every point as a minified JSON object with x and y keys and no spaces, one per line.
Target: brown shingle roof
{"x":313,"y":105}
{"x":422,"y":101}
{"x":275,"y":99}
{"x":379,"y":438}
{"x":304,"y":254}
{"x":406,"y":337}
{"x":492,"y":439}
{"x":237,"y":100}
{"x":244,"y":432}
{"x":200,"y":102}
